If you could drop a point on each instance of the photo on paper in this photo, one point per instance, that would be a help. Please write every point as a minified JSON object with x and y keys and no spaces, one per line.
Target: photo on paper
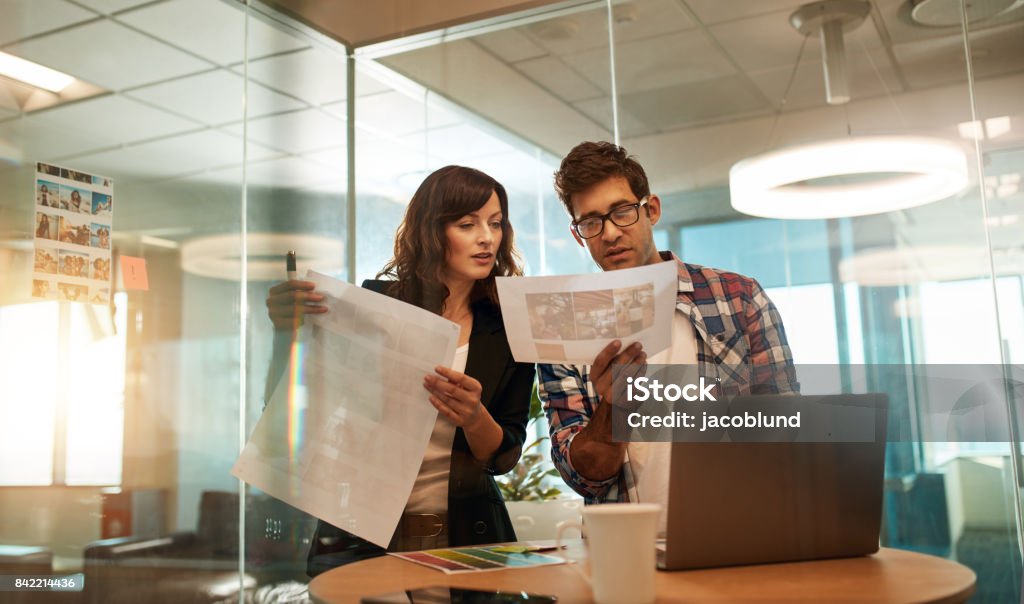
{"x":72,"y":292}
{"x":634,"y":309}
{"x":101,"y":204}
{"x":74,"y":229}
{"x":554,"y":352}
{"x":99,"y":235}
{"x":595,"y":314}
{"x":551,"y":316}
{"x":47,"y":169}
{"x":102,"y":181}
{"x":75,"y":200}
{"x":45,"y":261}
{"x":100,"y":268}
{"x":100,"y":295}
{"x":47,"y":194}
{"x":46,"y":225}
{"x":74,"y":264}
{"x":41,"y":288}
{"x":81,"y":177}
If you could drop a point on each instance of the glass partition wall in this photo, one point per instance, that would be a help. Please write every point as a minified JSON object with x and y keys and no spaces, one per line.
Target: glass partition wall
{"x":228,"y":135}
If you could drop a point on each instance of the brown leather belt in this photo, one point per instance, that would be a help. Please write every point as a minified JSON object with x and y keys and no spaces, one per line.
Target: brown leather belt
{"x":423,"y":525}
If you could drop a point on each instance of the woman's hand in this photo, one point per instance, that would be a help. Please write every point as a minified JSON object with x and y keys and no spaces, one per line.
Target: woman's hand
{"x":457,"y":397}
{"x":289,"y":300}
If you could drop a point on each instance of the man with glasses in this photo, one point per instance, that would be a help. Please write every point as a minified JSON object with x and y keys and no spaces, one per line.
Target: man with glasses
{"x":724,"y":323}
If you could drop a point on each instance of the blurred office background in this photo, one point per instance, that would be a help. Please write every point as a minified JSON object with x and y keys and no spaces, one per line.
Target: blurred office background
{"x":231,"y":130}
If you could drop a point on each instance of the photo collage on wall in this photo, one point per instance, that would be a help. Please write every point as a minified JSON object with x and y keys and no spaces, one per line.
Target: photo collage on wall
{"x":74,"y":212}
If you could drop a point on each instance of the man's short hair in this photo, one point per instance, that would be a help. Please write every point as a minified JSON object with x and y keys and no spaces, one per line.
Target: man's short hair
{"x":591,"y":163}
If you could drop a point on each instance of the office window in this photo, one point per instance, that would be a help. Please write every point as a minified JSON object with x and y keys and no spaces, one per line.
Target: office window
{"x":948,"y":340}
{"x":809,"y":314}
{"x":62,"y":415}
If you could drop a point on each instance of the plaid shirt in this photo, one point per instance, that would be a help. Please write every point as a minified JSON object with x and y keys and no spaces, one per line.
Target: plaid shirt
{"x":740,"y":340}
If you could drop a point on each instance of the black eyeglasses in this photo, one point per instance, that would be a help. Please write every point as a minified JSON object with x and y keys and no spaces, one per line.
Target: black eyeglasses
{"x":622,"y":216}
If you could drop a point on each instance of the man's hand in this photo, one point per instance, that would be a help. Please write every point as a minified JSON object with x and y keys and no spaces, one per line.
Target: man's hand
{"x":633,"y":357}
{"x":289,"y":300}
{"x":593,"y":452}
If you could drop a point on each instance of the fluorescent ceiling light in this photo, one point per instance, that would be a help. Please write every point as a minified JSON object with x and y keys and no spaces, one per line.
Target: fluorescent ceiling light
{"x":886,"y":173}
{"x":33,"y":74}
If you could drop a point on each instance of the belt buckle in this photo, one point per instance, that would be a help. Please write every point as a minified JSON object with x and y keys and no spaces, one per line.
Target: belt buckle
{"x":437,"y":524}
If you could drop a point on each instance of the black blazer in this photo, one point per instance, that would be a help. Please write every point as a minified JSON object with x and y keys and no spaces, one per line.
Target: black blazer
{"x":476,"y":511}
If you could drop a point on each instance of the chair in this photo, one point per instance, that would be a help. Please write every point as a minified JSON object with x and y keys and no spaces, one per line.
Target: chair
{"x":202,"y":566}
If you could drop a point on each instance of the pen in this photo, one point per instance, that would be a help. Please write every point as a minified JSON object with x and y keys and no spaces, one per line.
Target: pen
{"x":290,"y":261}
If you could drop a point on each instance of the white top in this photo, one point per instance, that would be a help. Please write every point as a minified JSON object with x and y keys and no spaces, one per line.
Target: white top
{"x":430,"y":491}
{"x":650,"y":461}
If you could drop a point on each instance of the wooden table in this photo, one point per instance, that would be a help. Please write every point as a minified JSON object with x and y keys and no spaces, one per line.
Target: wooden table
{"x":891,"y":575}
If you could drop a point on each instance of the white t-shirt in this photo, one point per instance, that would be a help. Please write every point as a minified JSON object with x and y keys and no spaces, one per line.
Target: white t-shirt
{"x":430,"y":491}
{"x":650,"y":462}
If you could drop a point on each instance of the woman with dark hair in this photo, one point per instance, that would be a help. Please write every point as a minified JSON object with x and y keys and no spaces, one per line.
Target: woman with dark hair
{"x":455,"y":239}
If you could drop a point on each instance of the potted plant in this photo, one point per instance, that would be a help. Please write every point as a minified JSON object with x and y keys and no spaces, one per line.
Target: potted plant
{"x":536,"y":505}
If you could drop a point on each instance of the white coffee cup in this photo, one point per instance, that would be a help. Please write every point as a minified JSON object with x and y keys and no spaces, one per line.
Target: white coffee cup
{"x":621,"y":548}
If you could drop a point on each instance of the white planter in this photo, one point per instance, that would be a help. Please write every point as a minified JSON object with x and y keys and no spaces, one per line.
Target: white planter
{"x":537,"y":520}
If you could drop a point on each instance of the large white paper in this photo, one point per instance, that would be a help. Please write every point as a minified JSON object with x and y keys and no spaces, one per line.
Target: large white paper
{"x":344,"y":434}
{"x":569,"y":319}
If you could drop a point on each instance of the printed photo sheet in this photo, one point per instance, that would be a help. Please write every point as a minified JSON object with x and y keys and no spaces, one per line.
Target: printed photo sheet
{"x":570,"y":318}
{"x":74,"y":214}
{"x":344,"y":433}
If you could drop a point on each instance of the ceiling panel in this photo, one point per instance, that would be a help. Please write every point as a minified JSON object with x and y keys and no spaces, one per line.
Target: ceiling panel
{"x":693,"y":103}
{"x":656,"y":62}
{"x":998,"y":51}
{"x":25,"y":18}
{"x":109,"y":55}
{"x":108,"y":7}
{"x":902,"y":28}
{"x":717,"y":11}
{"x":648,"y":19}
{"x":313,"y":75}
{"x":867,"y":76}
{"x":282,"y":173}
{"x":334,"y":158}
{"x":379,"y":163}
{"x":395,"y":114}
{"x":588,"y":30}
{"x":219,"y":36}
{"x":215,"y":97}
{"x":763,"y":42}
{"x":113,"y":120}
{"x":559,"y":78}
{"x":572,"y":33}
{"x":40,"y":141}
{"x":510,"y":45}
{"x":463,"y":143}
{"x":923,"y":70}
{"x":172,"y":156}
{"x":296,"y":132}
{"x":600,"y":110}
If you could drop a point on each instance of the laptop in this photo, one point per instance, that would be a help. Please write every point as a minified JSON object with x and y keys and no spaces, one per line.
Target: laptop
{"x":733,"y":503}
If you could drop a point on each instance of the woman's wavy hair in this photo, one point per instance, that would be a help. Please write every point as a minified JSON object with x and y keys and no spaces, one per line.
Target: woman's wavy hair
{"x":421,"y":244}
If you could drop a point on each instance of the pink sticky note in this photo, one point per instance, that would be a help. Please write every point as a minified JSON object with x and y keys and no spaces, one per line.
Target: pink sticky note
{"x":133,"y":273}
